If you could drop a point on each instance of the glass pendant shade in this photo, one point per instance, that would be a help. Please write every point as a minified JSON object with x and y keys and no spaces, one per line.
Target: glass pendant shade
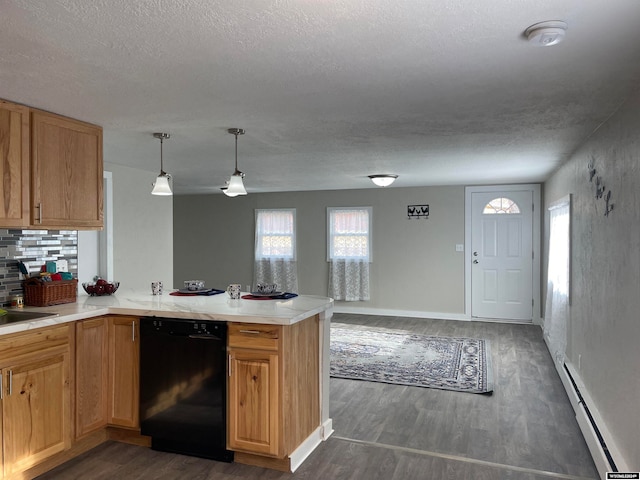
{"x":161,"y":185}
{"x":226,"y":192}
{"x":236,"y":186}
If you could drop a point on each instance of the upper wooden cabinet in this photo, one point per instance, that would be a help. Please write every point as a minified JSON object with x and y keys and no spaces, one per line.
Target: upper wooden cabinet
{"x":14,"y":165}
{"x":66,"y":169}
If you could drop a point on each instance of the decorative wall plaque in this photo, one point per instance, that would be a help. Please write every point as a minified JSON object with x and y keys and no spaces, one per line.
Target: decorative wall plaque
{"x":600,"y":188}
{"x":417,"y":211}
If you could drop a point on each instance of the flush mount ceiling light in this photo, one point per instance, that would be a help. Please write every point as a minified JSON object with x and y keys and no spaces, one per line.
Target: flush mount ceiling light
{"x":383,"y":180}
{"x":546,"y":34}
{"x":161,"y":185}
{"x":235,"y":186}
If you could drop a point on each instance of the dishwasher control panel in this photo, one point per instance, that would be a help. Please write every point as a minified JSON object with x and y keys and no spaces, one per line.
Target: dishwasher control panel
{"x":186,"y":327}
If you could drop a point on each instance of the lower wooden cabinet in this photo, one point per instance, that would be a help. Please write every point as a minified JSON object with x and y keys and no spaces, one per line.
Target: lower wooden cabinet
{"x":107,"y":366}
{"x":274,"y":398}
{"x":254,"y":414}
{"x":273,"y":394}
{"x":124,"y":371}
{"x":36,"y":400}
{"x":92,"y":368}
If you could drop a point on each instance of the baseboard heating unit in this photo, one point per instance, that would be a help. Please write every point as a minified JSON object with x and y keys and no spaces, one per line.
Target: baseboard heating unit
{"x":604,"y":454}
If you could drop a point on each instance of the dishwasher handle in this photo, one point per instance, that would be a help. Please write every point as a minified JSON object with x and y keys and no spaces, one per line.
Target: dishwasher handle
{"x":204,"y":336}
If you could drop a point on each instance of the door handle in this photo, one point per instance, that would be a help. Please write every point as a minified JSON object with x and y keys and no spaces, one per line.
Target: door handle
{"x":38,"y":220}
{"x":475,"y":254}
{"x":475,"y":261}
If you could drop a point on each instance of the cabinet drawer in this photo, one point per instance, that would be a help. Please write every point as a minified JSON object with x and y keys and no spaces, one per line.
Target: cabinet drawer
{"x":16,"y":344}
{"x":250,"y":335}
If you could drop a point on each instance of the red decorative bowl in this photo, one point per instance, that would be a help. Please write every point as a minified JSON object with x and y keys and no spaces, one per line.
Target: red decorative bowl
{"x":101,"y":287}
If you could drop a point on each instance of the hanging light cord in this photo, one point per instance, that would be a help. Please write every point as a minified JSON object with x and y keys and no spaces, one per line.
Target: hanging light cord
{"x":162,"y":172}
{"x":236,"y":132}
{"x":161,"y":137}
{"x":236,"y":172}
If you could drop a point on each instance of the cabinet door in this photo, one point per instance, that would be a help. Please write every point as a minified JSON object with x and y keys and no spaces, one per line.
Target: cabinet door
{"x":14,"y":165}
{"x":66,"y":159}
{"x":35,"y":410}
{"x":254,"y":401}
{"x":92,"y":368}
{"x":124,"y":371}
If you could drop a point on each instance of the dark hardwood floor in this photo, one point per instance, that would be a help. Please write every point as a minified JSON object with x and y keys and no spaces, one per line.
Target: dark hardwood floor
{"x":525,"y":430}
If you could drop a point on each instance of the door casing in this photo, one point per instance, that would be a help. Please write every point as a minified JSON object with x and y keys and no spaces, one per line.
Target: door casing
{"x":535,"y":189}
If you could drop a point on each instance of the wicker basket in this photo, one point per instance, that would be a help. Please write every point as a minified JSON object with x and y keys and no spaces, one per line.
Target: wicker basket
{"x":42,"y":294}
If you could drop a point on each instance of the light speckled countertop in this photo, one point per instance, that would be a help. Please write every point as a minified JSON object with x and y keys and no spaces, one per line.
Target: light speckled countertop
{"x":214,"y":307}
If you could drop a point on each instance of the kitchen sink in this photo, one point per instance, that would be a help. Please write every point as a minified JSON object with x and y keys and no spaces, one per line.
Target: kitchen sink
{"x":13,"y":316}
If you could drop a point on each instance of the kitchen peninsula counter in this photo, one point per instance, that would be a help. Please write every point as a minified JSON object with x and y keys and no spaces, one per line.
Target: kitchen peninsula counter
{"x":304,"y":322}
{"x":197,"y":307}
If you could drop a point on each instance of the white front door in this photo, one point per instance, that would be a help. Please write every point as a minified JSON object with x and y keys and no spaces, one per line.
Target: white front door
{"x":502,"y":254}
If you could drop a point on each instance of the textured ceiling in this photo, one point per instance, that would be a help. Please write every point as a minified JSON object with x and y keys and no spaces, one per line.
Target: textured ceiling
{"x":329,"y":91}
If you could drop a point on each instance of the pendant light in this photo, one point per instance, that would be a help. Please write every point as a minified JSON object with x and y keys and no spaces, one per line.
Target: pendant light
{"x":161,"y":185}
{"x":236,"y":185}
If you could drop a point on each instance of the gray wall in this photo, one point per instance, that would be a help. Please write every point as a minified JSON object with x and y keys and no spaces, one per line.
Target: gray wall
{"x":604,"y":328}
{"x":415,"y":266}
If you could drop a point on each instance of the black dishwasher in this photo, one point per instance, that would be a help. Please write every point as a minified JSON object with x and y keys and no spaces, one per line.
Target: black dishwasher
{"x":183,"y":386}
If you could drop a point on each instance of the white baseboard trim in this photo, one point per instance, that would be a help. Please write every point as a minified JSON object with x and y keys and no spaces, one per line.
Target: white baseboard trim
{"x":327,"y":429}
{"x":502,"y":320}
{"x":301,"y":453}
{"x":593,"y":429}
{"x":341,"y":308}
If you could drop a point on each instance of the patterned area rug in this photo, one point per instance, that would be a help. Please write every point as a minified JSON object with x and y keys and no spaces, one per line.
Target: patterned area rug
{"x":392,"y":356}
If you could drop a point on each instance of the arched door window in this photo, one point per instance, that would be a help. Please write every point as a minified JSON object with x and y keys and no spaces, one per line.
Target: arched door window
{"x":501,"y":205}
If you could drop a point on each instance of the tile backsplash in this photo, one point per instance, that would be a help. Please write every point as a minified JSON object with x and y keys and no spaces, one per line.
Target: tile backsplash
{"x":34,"y":248}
